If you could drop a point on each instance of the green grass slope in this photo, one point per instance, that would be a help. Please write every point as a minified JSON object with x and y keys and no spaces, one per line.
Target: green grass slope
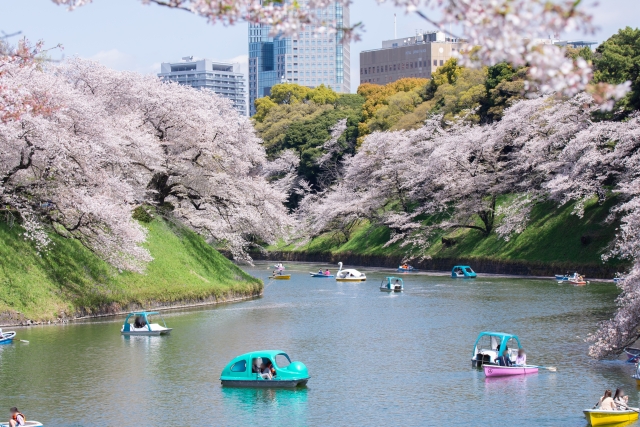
{"x":69,"y":278}
{"x":554,"y":235}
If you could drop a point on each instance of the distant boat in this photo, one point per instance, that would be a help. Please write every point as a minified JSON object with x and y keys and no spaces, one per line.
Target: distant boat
{"x":490,"y":345}
{"x":280,"y":277}
{"x":462,"y":271}
{"x":7,"y":337}
{"x":142,"y":326}
{"x":321,"y":275}
{"x":349,"y":275}
{"x":633,"y":354}
{"x":392,"y":284}
{"x":407,"y":269}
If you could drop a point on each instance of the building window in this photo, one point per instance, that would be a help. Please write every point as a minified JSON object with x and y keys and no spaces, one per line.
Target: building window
{"x":435,"y":62}
{"x":441,"y":62}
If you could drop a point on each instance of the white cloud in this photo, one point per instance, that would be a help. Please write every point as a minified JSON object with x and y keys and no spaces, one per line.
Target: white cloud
{"x":243,"y":61}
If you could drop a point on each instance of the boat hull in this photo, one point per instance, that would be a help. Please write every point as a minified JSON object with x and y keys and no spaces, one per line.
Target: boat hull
{"x":281,"y":277}
{"x":265,"y":383}
{"x":598,"y":417}
{"x":504,"y":371}
{"x":407,"y":270}
{"x":27,"y":424}
{"x":147,"y":333}
{"x":351,"y":279}
{"x":390,"y":290}
{"x":633,"y":354}
{"x":321,"y":275}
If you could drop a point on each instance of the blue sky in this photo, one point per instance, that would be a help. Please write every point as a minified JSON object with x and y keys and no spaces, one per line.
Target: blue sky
{"x":126,"y":35}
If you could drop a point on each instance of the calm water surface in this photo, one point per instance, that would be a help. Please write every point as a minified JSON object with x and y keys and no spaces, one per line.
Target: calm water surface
{"x":375,"y":359}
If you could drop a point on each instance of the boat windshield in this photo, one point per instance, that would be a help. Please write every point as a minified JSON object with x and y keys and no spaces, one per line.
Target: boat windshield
{"x":282,"y":360}
{"x":468,"y":270}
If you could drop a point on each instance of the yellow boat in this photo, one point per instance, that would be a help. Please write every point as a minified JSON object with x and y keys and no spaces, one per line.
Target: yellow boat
{"x":598,"y":417}
{"x":281,"y":277}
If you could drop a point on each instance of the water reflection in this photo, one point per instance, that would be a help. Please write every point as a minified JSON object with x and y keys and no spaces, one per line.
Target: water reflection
{"x":375,"y":358}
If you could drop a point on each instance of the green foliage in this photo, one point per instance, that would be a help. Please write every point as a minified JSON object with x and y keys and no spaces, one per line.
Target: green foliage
{"x":263,"y":106}
{"x":288,"y":93}
{"x":617,"y":61}
{"x":141,"y":214}
{"x":554,"y":235}
{"x":322,"y":95}
{"x":504,"y":85}
{"x":69,"y":278}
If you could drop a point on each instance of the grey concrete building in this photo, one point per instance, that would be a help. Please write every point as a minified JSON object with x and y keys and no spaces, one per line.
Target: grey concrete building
{"x":416,"y":56}
{"x":222,"y":78}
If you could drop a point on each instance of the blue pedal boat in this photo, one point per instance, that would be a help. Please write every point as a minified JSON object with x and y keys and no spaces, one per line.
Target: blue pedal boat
{"x":462,"y":271}
{"x":7,"y":337}
{"x":392,"y":284}
{"x":137,"y":323}
{"x":318,"y":274}
{"x":244,"y":371}
{"x":406,"y":269}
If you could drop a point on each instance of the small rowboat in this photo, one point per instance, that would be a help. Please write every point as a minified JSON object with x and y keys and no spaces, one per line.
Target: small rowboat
{"x":633,"y":354}
{"x":321,"y":275}
{"x":578,"y":282}
{"x":281,"y":277}
{"x":27,"y":424}
{"x":598,"y":417}
{"x":7,"y":337}
{"x":503,"y":371}
{"x":407,"y":270}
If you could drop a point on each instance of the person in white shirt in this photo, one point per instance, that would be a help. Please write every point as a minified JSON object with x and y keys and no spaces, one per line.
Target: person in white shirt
{"x":621,"y":400}
{"x":606,"y":402}
{"x":521,"y":359}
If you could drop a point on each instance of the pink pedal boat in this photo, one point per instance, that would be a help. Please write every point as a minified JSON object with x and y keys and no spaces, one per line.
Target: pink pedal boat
{"x":502,"y":371}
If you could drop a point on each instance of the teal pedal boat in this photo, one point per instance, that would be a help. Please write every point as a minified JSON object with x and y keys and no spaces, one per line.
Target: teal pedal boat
{"x":266,"y":369}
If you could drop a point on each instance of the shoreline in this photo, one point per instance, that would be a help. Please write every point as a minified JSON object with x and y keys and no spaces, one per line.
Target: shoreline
{"x":184,"y":304}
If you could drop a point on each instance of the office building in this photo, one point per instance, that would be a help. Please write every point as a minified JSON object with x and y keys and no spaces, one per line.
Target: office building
{"x":308,"y":58}
{"x":416,"y":56}
{"x":222,"y":78}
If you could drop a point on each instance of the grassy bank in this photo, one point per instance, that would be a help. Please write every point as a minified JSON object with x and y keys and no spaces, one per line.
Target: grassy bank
{"x":554,"y":236}
{"x":69,"y":279}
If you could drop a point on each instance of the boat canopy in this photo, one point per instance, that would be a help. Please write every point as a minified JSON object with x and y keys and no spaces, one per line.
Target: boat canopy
{"x":243,"y":363}
{"x":497,"y":339}
{"x":144,"y":315}
{"x":394,"y":279}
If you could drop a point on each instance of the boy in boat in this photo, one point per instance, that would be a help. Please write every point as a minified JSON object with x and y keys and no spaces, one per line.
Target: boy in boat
{"x":17,"y":419}
{"x":327,"y":272}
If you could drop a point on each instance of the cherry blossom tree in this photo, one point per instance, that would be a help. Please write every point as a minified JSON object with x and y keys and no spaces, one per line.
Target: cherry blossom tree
{"x":117,"y":140}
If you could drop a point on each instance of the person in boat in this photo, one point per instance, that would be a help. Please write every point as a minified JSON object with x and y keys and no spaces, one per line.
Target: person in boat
{"x":504,"y":360}
{"x":621,"y":400}
{"x":606,"y":402}
{"x":327,"y":272}
{"x":521,"y":359}
{"x":320,"y":271}
{"x":139,"y":322}
{"x":264,"y":372}
{"x":275,"y":272}
{"x":17,"y":418}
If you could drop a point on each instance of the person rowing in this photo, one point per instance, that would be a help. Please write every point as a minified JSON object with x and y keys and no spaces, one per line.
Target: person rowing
{"x":621,"y":400}
{"x":606,"y":402}
{"x":504,"y":360}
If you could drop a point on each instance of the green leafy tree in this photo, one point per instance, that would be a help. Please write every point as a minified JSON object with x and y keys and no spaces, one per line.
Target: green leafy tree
{"x":289,"y":93}
{"x":322,"y":95}
{"x":617,"y":60}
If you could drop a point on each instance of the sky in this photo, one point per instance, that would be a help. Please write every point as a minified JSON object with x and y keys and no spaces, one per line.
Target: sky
{"x":127,"y":35}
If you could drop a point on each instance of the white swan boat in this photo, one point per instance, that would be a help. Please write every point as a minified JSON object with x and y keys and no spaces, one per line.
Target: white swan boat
{"x":349,"y":275}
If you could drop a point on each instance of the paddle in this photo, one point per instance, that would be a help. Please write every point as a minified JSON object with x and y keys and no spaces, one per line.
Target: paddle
{"x":548,"y":368}
{"x":625,"y":406}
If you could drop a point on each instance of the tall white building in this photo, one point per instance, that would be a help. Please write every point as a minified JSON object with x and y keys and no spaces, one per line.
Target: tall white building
{"x":222,"y":78}
{"x":307,"y":58}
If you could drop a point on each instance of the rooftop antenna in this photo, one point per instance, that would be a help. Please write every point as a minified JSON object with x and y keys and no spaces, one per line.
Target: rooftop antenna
{"x":187,"y":58}
{"x":395,"y":32}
